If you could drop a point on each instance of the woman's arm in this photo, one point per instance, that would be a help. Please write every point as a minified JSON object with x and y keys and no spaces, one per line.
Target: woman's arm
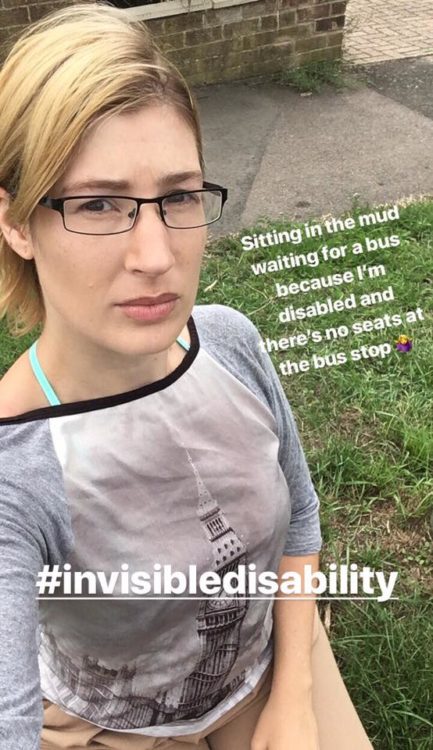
{"x":288,"y":720}
{"x":293,"y":632}
{"x":20,"y":560}
{"x":34,"y":531}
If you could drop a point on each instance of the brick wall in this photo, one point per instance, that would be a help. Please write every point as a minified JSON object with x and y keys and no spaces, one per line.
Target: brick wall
{"x":226,"y":43}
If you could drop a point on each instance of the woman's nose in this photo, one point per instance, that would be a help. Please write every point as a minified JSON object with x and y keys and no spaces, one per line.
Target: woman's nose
{"x":149,"y":242}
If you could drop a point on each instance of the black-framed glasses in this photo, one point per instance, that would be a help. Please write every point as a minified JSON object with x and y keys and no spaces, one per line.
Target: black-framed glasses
{"x":115,"y":214}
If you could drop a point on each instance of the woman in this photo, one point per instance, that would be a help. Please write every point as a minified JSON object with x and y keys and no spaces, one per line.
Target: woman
{"x":167,"y":439}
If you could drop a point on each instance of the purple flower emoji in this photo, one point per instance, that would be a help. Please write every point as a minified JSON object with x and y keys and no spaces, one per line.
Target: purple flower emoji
{"x":403,"y":343}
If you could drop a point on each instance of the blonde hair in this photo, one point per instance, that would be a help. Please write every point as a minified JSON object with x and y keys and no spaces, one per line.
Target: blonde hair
{"x":74,"y":67}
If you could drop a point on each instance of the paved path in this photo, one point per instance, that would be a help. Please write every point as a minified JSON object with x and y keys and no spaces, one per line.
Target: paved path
{"x":285,"y":155}
{"x":379,"y":30}
{"x":409,"y":82}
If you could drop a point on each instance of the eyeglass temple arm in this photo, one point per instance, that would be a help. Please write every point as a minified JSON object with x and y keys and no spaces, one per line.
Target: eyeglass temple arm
{"x":214,"y":186}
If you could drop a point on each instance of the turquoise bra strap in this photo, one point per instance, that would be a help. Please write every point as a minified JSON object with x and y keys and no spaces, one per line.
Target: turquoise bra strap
{"x":184,"y":344}
{"x":43,"y":382}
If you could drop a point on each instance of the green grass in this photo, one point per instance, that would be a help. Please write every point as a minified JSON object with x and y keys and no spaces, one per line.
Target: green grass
{"x":384,"y":652}
{"x":313,"y":77}
{"x":367,"y":431}
{"x":10,"y":348}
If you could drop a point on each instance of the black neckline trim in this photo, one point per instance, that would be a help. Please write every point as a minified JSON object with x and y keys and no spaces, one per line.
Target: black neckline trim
{"x":78,"y":407}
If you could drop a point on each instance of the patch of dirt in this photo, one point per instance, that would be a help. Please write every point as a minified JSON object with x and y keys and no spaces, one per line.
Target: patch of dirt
{"x":406,"y":544}
{"x":351,"y":425}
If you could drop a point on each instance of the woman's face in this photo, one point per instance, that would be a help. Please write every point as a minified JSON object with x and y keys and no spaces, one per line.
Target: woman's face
{"x":85,"y":277}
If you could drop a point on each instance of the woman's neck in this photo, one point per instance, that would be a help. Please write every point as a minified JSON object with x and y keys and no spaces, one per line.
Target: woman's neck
{"x":78,"y":373}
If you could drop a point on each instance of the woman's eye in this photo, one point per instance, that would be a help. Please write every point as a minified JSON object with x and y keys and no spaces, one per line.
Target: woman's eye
{"x":181,"y":198}
{"x":95,"y":206}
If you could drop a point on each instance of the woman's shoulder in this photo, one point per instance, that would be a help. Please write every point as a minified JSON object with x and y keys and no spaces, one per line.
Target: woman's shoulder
{"x":18,"y":389}
{"x":224,"y":321}
{"x":231,"y":338}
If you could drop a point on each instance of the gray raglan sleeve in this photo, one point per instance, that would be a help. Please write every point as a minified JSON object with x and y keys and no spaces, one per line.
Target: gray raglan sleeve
{"x":304,"y":535}
{"x":236,"y":339}
{"x":26,"y":531}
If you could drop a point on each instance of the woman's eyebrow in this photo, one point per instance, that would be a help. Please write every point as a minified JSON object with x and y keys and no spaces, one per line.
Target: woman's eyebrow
{"x":164,"y":181}
{"x":169,"y":179}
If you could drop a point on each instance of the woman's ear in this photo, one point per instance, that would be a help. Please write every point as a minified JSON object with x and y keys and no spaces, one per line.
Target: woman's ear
{"x":17,"y":237}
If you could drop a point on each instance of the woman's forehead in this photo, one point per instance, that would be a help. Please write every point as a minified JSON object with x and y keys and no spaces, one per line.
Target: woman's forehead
{"x":127,"y":149}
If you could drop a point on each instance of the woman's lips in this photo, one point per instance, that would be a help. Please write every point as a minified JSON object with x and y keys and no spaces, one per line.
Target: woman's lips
{"x":150,"y":300}
{"x":149,"y":312}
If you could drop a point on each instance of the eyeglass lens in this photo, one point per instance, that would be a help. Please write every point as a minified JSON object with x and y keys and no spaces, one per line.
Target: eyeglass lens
{"x":108,"y":215}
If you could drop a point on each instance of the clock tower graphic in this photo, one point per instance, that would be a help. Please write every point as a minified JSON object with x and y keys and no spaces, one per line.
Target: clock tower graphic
{"x":219,"y":618}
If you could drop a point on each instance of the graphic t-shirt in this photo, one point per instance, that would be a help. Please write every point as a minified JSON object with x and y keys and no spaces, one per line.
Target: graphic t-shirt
{"x":202,"y":468}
